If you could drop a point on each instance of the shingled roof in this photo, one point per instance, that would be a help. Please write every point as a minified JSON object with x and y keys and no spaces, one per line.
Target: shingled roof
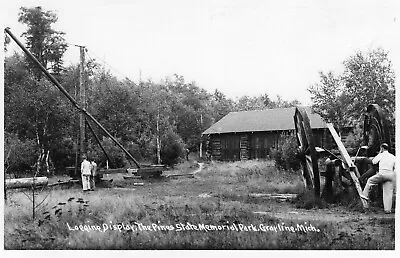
{"x":278,"y":119}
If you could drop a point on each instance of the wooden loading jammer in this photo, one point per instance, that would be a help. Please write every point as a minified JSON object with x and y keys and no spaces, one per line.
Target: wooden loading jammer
{"x":349,"y":171}
{"x":142,"y":171}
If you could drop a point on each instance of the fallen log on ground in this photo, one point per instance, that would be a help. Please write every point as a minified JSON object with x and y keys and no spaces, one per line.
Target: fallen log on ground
{"x":282,"y":197}
{"x":131,"y":177}
{"x":26,"y":182}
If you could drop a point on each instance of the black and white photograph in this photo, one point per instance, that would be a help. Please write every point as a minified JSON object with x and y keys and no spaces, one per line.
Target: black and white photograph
{"x":203,"y":125}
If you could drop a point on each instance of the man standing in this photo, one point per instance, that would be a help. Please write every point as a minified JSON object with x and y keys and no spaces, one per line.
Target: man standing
{"x":386,"y":176}
{"x":93,"y":174}
{"x":85,"y":171}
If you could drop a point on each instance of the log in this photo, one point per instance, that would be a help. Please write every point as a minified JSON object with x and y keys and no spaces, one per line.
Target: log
{"x":359,"y":159}
{"x":146,"y":172}
{"x":273,"y":196}
{"x":26,"y":182}
{"x":112,"y":171}
{"x":131,"y":177}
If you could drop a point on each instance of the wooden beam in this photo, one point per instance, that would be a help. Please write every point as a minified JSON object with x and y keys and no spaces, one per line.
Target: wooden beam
{"x":343,"y":152}
{"x":82,"y":102}
{"x":353,"y":170}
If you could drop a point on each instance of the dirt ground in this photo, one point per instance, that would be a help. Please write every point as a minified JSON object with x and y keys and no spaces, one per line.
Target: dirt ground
{"x":370,"y":224}
{"x":276,"y":207}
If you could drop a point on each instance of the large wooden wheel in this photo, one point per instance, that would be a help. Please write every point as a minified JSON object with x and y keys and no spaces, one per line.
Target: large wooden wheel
{"x":308,"y":154}
{"x":376,"y":129}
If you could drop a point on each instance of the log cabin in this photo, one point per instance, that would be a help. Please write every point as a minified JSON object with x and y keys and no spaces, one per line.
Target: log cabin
{"x":251,"y":134}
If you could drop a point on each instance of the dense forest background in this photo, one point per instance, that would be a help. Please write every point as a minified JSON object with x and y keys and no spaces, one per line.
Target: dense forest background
{"x":41,"y":125}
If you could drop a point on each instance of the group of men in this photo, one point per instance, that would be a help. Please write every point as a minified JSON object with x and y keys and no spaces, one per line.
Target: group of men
{"x":386,"y":175}
{"x":88,"y":171}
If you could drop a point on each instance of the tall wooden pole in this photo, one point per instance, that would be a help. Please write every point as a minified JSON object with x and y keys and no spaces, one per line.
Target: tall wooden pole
{"x":82,"y":100}
{"x":76,"y":134}
{"x":201,"y":140}
{"x":158,"y":137}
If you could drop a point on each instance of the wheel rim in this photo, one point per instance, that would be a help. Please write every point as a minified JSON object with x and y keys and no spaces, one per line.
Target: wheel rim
{"x":308,"y":154}
{"x":376,"y":129}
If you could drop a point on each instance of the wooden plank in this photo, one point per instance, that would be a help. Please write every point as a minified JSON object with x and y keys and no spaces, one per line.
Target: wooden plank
{"x":353,"y":170}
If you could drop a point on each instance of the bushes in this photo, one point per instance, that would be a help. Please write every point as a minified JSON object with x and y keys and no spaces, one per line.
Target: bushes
{"x":354,"y":140}
{"x":285,"y":153}
{"x":19,"y":155}
{"x":172,"y":149}
{"x":117,"y":156}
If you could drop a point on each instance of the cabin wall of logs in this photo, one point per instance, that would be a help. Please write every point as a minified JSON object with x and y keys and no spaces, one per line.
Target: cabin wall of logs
{"x":253,"y":145}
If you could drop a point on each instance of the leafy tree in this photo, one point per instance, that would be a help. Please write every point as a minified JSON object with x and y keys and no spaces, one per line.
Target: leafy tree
{"x":33,"y":109}
{"x":369,"y":78}
{"x":18,"y":154}
{"x":45,"y":43}
{"x":154,"y":121}
{"x":6,"y":42}
{"x":328,"y":100}
{"x":285,"y":154}
{"x":114,"y":104}
{"x":172,"y":149}
{"x":261,"y":102}
{"x":117,"y":157}
{"x":280,"y":102}
{"x":191,"y":110}
{"x":221,"y":105}
{"x":247,"y":103}
{"x":355,"y":139}
{"x":161,"y":118}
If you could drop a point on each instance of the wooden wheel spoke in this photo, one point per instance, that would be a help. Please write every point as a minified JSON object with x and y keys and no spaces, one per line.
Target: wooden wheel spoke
{"x":309,"y":165}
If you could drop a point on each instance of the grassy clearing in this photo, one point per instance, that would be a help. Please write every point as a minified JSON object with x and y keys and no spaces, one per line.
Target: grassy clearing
{"x":253,"y":176}
{"x":166,"y":205}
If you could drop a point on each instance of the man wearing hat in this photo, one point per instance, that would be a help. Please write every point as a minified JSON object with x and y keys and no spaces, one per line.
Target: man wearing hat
{"x":386,"y":176}
{"x":86,"y":172}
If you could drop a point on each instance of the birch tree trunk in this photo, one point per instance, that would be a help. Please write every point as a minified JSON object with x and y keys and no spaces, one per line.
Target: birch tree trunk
{"x":47,"y":163}
{"x":40,"y":152}
{"x":158,"y":139}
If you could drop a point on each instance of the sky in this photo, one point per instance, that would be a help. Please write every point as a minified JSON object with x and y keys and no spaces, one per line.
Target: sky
{"x":240,"y":47}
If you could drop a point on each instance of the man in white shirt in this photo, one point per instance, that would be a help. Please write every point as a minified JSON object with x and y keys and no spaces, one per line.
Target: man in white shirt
{"x":386,"y":176}
{"x":86,"y":172}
